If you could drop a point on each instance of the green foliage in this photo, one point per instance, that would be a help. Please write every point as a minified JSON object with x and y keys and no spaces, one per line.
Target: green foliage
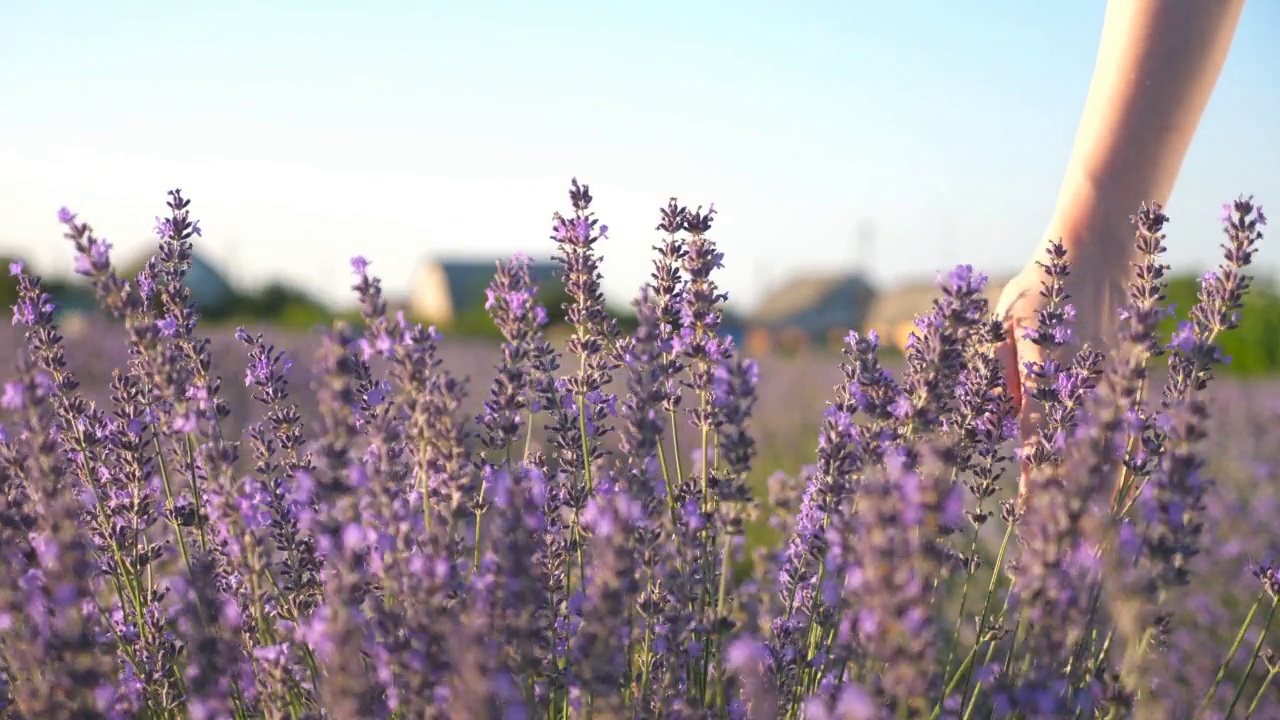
{"x":1254,"y":347}
{"x":67,"y":293}
{"x":8,"y":284}
{"x":278,"y":304}
{"x":555,"y":298}
{"x":474,"y":321}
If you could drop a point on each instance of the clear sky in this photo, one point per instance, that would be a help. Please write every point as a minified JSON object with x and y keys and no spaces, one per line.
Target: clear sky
{"x":306,"y":132}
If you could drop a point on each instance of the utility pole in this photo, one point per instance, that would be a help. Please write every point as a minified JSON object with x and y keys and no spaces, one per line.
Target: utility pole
{"x":864,"y":246}
{"x":951,"y":243}
{"x":759,"y":280}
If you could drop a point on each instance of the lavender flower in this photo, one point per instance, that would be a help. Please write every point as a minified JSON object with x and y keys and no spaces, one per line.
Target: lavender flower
{"x":390,"y":547}
{"x":587,"y":405}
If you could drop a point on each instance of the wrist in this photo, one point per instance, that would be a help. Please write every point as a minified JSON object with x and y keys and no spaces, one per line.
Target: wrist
{"x":1105,"y":249}
{"x":1093,"y":224}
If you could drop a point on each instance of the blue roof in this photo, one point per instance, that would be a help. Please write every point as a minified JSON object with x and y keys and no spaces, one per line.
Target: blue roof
{"x":76,"y":297}
{"x":468,"y":279}
{"x":208,"y":287}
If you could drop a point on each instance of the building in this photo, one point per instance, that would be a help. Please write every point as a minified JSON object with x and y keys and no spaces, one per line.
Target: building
{"x":209,"y":288}
{"x":75,"y":297}
{"x":441,"y":290}
{"x":893,"y":312}
{"x":810,"y":310}
{"x":74,"y":300}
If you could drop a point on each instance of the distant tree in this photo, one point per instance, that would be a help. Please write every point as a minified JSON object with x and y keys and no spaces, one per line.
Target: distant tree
{"x":8,"y":284}
{"x":475,"y":321}
{"x":1254,"y":347}
{"x":279,"y":304}
{"x":555,"y":298}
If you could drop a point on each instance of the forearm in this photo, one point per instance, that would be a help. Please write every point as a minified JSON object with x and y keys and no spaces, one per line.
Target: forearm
{"x":1157,"y":64}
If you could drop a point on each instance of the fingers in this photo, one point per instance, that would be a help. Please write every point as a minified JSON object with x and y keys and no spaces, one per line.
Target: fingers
{"x":1009,"y":357}
{"x":1030,"y":412}
{"x":1014,"y":356}
{"x":1007,"y":354}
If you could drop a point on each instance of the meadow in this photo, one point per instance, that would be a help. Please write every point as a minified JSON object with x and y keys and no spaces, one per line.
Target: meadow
{"x":374,"y":521}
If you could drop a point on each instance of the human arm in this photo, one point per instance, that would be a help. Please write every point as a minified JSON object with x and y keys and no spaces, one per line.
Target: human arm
{"x":1157,"y":64}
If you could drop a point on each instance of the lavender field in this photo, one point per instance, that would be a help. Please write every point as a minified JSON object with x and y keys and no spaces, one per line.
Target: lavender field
{"x":793,"y":391}
{"x":379,"y":522}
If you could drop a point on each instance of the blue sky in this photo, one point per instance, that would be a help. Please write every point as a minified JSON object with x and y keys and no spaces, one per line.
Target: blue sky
{"x":307,"y":132}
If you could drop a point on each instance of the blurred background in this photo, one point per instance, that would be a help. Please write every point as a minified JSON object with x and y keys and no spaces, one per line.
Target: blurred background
{"x":853,"y":149}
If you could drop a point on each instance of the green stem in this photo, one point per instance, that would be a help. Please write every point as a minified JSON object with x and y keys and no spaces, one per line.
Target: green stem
{"x":706,"y":462}
{"x":528,"y":436}
{"x":1013,"y":644}
{"x":1079,"y":651}
{"x":986,"y":607}
{"x":645,"y":660}
{"x":475,"y":564}
{"x":1253,"y":660}
{"x":423,"y":483}
{"x":170,"y":501}
{"x":991,"y":652}
{"x":1262,"y":690}
{"x":1126,"y":477}
{"x":666,"y":477}
{"x":964,"y":601}
{"x":190,"y":444}
{"x":1231,"y":653}
{"x":962,"y":671}
{"x":675,"y":448}
{"x":586,"y":448}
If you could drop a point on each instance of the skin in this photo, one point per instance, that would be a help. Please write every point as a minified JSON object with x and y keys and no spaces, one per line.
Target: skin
{"x":1157,"y":64}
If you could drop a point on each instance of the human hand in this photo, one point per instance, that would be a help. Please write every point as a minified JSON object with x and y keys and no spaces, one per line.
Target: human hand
{"x":1085,"y":300}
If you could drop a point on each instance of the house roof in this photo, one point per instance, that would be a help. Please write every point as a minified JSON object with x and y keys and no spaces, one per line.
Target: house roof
{"x":804,"y":293}
{"x":469,"y":278}
{"x":903,"y":303}
{"x":207,"y":285}
{"x":206,"y":282}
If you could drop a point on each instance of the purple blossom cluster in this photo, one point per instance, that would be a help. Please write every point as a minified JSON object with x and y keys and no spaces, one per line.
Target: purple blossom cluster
{"x":564,"y":552}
